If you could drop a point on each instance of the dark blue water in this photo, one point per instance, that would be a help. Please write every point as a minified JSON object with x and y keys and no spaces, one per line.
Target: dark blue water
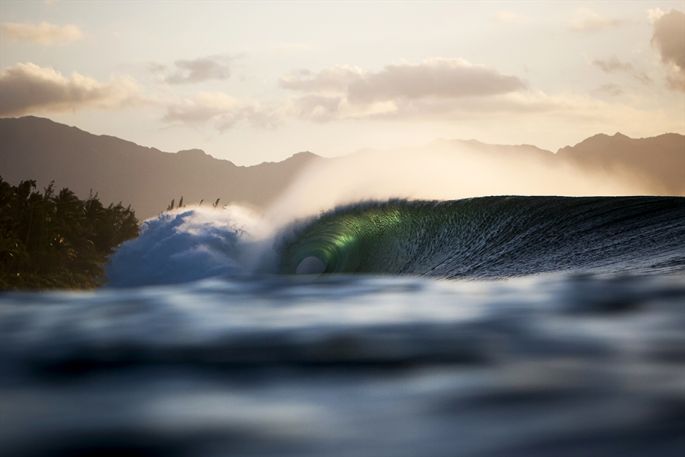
{"x":570,"y":343}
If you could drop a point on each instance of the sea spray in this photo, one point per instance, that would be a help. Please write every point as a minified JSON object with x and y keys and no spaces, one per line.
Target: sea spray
{"x":184,"y":245}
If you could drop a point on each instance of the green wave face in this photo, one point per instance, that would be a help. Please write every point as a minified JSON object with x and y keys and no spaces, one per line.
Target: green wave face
{"x":342,"y":242}
{"x":490,"y":237}
{"x":391,"y":237}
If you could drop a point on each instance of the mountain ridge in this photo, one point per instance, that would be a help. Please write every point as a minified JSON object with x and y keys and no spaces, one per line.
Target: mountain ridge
{"x":122,"y":171}
{"x":148,"y":178}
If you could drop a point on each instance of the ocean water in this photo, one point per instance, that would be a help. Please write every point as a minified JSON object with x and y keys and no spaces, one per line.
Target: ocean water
{"x":503,"y":326}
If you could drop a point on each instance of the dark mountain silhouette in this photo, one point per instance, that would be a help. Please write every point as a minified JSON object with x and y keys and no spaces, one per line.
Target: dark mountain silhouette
{"x":119,"y":170}
{"x":147,"y":178}
{"x":658,"y":162}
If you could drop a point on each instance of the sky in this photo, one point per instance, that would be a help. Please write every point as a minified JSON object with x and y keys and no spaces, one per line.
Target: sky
{"x":260,"y":81}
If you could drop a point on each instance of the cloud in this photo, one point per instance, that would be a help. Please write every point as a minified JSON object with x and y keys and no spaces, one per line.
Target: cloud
{"x":669,"y":39}
{"x":614,"y":65}
{"x":433,"y":88}
{"x":27,"y":88}
{"x":318,"y":108}
{"x":220,"y":110}
{"x":509,"y":17}
{"x":588,"y":20}
{"x":43,"y":33}
{"x":434,"y":78}
{"x":201,"y":108}
{"x":335,"y":79}
{"x":654,"y":14}
{"x":195,"y":70}
{"x":445,"y":78}
{"x":451,"y":91}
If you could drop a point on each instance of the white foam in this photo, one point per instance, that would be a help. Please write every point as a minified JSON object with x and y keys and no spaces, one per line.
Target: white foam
{"x":184,"y":245}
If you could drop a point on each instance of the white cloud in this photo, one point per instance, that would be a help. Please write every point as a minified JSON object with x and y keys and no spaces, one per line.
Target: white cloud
{"x":325,"y":108}
{"x":201,"y":108}
{"x":194,"y":70}
{"x":29,"y":88}
{"x":334,"y":79}
{"x":318,"y":108}
{"x":291,"y":47}
{"x":220,"y":110}
{"x":43,"y":33}
{"x":588,"y":20}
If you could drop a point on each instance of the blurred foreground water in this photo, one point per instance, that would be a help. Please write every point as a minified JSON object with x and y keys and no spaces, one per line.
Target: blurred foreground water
{"x":551,"y":365}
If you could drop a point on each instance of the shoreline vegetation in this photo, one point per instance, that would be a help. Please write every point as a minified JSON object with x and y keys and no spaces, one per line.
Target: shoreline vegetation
{"x":53,"y":240}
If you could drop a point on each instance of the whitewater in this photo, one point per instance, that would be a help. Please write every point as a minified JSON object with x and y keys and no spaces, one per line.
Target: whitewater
{"x":490,"y":326}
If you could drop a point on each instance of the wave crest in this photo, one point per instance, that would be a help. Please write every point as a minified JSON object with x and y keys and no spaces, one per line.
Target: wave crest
{"x":185,"y":245}
{"x":493,"y":236}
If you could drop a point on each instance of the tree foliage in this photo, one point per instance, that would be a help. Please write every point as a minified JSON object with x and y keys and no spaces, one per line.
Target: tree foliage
{"x":54,"y":239}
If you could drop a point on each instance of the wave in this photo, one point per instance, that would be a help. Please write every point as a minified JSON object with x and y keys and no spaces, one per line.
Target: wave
{"x":491,"y":237}
{"x":185,"y":245}
{"x":486,"y":237}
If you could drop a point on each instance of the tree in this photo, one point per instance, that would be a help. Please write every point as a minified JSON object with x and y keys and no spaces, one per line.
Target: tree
{"x":56,"y":240}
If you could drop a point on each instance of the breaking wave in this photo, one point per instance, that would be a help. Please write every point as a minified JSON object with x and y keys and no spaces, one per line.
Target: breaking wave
{"x":487,"y":237}
{"x":492,"y":237}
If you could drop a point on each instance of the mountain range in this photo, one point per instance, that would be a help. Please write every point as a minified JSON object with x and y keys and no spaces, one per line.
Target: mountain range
{"x":148,"y":179}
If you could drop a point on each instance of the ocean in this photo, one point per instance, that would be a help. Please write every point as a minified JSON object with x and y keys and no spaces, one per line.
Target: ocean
{"x":494,"y":326}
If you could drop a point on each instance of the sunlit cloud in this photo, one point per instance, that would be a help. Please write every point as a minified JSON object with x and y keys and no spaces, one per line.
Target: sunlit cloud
{"x":318,"y":108}
{"x":443,"y":78}
{"x":220,"y":111}
{"x":43,"y":33}
{"x":197,"y":70}
{"x":334,"y":79}
{"x":434,"y":86}
{"x":442,"y":90}
{"x":29,"y":88}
